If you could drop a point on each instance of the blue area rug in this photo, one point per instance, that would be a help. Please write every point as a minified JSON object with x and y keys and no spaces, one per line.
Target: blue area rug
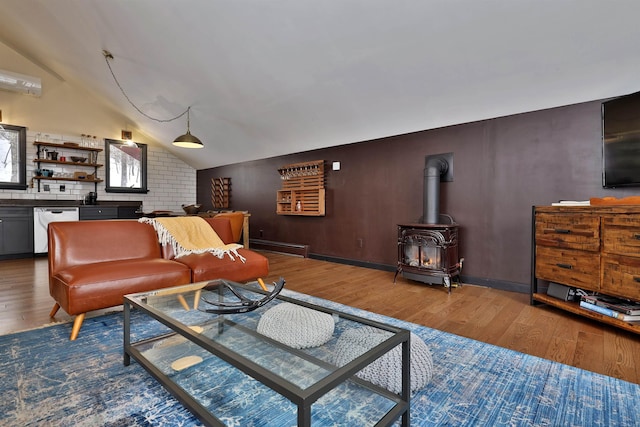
{"x":45,"y":379}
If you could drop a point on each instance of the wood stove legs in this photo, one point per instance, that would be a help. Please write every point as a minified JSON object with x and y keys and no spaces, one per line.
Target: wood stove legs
{"x":448,"y":280}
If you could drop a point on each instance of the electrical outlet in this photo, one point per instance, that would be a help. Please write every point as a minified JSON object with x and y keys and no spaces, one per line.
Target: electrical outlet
{"x":360,"y":242}
{"x":46,"y":187}
{"x":62,"y":188}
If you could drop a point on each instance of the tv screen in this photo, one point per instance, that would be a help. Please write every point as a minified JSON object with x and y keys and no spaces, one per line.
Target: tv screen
{"x":621,"y":141}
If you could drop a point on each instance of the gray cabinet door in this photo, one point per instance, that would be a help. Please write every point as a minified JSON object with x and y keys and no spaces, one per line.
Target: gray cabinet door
{"x":16,"y":230}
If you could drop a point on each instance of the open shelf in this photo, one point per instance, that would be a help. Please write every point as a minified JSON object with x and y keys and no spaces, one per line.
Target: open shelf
{"x":68,"y":145}
{"x":302,"y":190}
{"x":41,"y":159}
{"x":59,"y":178}
{"x":58,"y":162}
{"x":575,"y":308}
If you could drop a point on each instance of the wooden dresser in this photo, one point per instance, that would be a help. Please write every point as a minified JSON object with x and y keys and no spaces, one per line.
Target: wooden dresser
{"x":594,"y":248}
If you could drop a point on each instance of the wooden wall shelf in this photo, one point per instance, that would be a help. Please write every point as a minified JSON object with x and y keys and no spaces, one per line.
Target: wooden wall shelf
{"x":92,"y":157}
{"x":59,"y":178}
{"x":66,"y":145}
{"x":302,"y":190}
{"x":58,"y":162}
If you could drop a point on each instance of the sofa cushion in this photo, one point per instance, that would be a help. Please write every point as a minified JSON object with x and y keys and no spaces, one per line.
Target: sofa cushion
{"x":84,"y":242}
{"x":222,"y":227}
{"x":209,"y":267}
{"x":88,"y":287}
{"x":237,"y":224}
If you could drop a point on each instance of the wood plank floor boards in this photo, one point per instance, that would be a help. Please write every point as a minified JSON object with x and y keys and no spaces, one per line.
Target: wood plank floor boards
{"x":619,"y":356}
{"x":589,"y":351}
{"x":497,"y":317}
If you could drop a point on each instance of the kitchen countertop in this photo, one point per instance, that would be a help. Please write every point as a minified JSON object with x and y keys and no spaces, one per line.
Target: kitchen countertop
{"x":63,"y":203}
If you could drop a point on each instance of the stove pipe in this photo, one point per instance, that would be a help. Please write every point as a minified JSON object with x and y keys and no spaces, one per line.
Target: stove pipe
{"x":435,"y":167}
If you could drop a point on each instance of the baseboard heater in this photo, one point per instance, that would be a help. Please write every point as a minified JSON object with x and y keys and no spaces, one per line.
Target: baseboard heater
{"x":287,"y":248}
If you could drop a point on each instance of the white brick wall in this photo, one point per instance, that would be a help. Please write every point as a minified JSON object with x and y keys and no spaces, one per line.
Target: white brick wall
{"x":170,"y":181}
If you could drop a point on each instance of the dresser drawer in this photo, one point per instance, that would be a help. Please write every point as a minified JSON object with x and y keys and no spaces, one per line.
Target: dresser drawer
{"x":621,"y":235}
{"x":568,"y":231}
{"x":621,"y":276}
{"x":570,"y":267}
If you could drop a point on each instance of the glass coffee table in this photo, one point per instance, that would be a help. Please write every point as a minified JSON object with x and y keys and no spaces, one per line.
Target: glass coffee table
{"x":227,"y":373}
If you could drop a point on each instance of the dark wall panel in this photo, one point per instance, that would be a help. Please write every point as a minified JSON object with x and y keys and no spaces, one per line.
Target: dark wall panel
{"x":502,"y":167}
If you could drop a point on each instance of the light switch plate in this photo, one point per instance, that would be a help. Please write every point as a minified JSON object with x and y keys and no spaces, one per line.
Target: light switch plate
{"x":335,"y":166}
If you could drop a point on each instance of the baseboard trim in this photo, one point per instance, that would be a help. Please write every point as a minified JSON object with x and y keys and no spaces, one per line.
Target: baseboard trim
{"x":480,"y":281}
{"x":18,"y":256}
{"x":281,"y":247}
{"x":373,"y":265}
{"x":522,"y":288}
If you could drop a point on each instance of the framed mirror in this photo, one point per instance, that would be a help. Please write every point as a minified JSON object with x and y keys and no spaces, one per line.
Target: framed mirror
{"x":13,"y":157}
{"x":126,"y":164}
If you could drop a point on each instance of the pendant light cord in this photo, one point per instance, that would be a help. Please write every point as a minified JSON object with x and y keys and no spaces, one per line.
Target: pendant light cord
{"x":107,"y":56}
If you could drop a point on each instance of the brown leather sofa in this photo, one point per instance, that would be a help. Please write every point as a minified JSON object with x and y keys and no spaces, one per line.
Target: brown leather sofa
{"x":93,"y":264}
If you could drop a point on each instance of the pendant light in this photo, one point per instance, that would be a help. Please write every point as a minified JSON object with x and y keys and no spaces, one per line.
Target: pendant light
{"x":187,"y":140}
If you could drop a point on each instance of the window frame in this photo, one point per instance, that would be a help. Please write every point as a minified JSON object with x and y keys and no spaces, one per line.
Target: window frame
{"x":21,"y":162}
{"x":108,"y":143}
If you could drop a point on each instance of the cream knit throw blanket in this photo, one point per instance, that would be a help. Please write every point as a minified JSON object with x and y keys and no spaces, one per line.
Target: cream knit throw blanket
{"x":191,"y":235}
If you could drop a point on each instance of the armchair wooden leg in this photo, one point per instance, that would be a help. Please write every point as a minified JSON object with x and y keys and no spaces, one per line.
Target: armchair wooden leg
{"x":77,"y":324}
{"x":54,"y":310}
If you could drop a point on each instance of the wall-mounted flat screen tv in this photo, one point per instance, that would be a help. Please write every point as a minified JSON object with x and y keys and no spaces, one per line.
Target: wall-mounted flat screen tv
{"x":621,"y":141}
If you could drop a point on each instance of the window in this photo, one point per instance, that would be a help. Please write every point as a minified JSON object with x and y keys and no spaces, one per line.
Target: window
{"x":126,"y":164}
{"x":13,"y":157}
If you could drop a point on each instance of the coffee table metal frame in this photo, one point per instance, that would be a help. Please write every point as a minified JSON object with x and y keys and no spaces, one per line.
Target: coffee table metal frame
{"x":302,"y":398}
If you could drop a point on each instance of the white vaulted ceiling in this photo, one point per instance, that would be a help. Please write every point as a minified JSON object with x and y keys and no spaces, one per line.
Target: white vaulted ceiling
{"x":271,"y":77}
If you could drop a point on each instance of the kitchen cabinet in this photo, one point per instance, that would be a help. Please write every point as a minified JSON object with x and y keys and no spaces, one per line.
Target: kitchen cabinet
{"x":593,"y":248}
{"x":128,"y":212}
{"x":69,"y":149}
{"x":108,"y":212}
{"x":98,"y":212}
{"x":16,"y":231}
{"x":302,"y":190}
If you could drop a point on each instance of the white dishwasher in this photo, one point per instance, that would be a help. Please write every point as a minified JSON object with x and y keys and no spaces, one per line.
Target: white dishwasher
{"x":41,"y":219}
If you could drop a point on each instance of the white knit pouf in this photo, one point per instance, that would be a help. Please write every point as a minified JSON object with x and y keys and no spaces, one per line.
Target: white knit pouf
{"x":296,"y":326}
{"x":387,"y":370}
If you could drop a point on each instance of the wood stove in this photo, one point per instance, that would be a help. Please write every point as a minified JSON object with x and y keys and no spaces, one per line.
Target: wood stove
{"x":428,"y":253}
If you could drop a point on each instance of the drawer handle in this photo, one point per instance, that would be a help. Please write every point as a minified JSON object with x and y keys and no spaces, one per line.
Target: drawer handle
{"x":562,"y":231}
{"x":567,"y":266}
{"x":636,"y":279}
{"x":636,"y":236}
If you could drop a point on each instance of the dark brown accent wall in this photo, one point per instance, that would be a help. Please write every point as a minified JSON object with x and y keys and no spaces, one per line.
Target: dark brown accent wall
{"x":502,"y":167}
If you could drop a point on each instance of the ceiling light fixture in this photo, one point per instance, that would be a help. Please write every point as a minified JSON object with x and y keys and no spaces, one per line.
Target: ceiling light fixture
{"x":187,"y":140}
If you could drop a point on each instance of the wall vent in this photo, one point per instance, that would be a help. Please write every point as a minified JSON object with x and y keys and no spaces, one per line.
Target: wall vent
{"x":21,"y":83}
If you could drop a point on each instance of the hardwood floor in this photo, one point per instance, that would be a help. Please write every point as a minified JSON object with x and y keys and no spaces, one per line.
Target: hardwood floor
{"x":497,"y":317}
